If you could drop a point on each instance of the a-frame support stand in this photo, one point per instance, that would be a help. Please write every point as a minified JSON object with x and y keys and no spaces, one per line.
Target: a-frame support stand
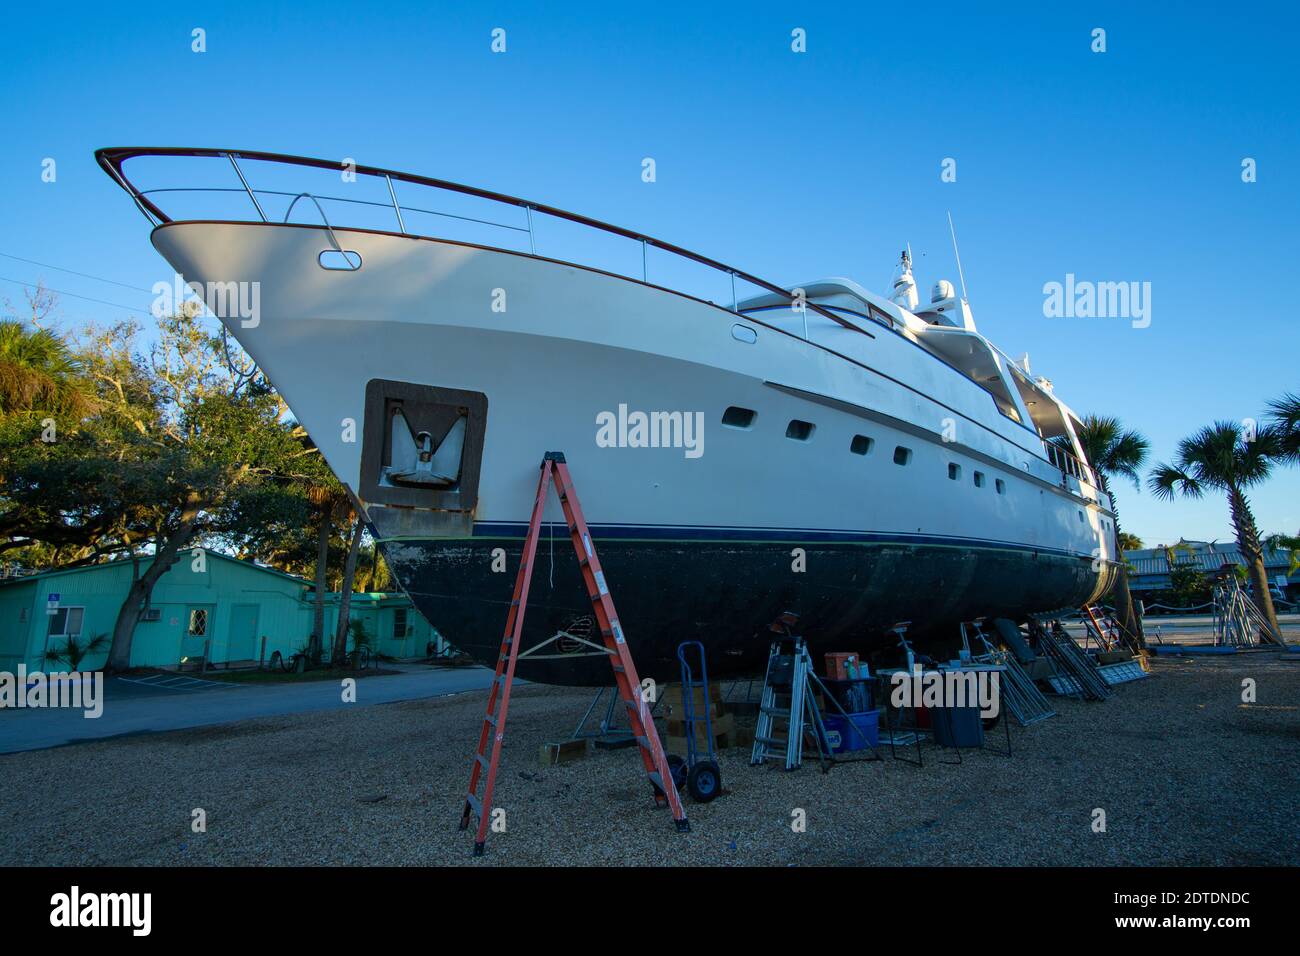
{"x":488,"y":757}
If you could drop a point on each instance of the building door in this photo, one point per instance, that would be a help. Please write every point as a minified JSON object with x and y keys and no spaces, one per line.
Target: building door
{"x":196,"y":628}
{"x":241,"y":644}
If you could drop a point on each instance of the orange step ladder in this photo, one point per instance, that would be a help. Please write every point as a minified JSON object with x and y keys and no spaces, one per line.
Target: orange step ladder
{"x":629,"y":685}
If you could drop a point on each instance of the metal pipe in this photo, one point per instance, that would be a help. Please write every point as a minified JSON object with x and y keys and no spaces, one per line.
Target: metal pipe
{"x":532,"y":243}
{"x":401,"y":226}
{"x":256,"y":205}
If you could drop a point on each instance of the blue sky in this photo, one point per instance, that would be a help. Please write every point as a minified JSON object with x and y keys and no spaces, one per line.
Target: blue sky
{"x":1118,"y":166}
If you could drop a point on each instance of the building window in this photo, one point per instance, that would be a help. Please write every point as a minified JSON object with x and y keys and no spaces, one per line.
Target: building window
{"x":799,"y":431}
{"x":861,"y":444}
{"x":979,"y":479}
{"x":902,"y":456}
{"x":399,"y":624}
{"x":198,"y":622}
{"x":66,"y":622}
{"x":1000,"y":485}
{"x":736,"y":417}
{"x":954,"y":471}
{"x":1081,"y":517}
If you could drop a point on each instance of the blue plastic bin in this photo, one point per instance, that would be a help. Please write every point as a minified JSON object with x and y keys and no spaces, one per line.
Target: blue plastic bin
{"x":856,"y":732}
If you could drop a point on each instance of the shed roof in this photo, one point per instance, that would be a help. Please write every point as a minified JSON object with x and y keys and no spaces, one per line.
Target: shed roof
{"x":93,"y":567}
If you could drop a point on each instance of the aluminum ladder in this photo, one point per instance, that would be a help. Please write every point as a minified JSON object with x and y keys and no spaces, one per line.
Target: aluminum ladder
{"x":788,"y":700}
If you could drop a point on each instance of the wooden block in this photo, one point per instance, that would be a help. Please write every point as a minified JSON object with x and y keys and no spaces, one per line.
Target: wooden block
{"x":563,"y":751}
{"x":742,"y":737}
{"x":677,"y":745}
{"x":721,"y":725}
{"x":672,"y":694}
{"x":676,"y":710}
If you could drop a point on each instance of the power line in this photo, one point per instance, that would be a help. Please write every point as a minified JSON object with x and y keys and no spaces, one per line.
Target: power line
{"x":116,"y":305}
{"x":84,"y":275}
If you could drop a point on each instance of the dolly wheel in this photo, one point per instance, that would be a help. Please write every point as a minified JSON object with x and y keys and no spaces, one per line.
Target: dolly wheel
{"x":677,"y":768}
{"x":704,"y":782}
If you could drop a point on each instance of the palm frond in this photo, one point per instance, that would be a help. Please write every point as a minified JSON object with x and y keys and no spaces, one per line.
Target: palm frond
{"x":1167,"y":482}
{"x":1113,"y":449}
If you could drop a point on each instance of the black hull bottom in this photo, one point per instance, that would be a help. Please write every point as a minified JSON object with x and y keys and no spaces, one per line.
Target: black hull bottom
{"x":725,"y":594}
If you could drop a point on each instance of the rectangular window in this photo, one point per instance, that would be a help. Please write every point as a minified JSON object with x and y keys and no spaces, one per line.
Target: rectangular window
{"x":954,"y":471}
{"x":1001,"y":486}
{"x":66,"y":622}
{"x":979,"y":479}
{"x":860,"y":445}
{"x":198,"y":622}
{"x":902,"y":456}
{"x":399,"y":624}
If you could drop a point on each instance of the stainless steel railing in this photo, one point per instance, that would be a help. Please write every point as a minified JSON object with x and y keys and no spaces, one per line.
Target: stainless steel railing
{"x":114,"y":161}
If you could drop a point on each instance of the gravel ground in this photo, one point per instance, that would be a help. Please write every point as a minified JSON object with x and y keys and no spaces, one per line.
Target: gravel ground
{"x":1186,"y":774}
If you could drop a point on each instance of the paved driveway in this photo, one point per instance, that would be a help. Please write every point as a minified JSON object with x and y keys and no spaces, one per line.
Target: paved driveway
{"x":134,"y":705}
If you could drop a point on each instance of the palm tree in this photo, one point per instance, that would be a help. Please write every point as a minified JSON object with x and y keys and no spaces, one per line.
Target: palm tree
{"x":1128,"y":542}
{"x":38,"y":372}
{"x":361,"y":639}
{"x":330,"y":500}
{"x":1285,"y":413}
{"x":374,"y":576}
{"x":1114,"y":450}
{"x":1219,"y":458}
{"x":345,"y":588}
{"x":73,"y":652}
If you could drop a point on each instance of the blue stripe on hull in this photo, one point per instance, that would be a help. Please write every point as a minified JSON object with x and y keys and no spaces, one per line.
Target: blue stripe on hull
{"x":511,"y":529}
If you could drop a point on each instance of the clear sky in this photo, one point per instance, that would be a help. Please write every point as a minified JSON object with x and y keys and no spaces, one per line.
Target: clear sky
{"x":1117,"y":166}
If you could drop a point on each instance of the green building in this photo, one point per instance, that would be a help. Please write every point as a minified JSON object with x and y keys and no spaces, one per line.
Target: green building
{"x":236,"y":611}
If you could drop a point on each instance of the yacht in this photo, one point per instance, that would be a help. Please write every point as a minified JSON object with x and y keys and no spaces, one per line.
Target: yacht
{"x":741,"y":448}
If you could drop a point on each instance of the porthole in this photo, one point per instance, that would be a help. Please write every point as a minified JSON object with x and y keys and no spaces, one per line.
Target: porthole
{"x":737,"y":417}
{"x":902,"y":456}
{"x":978,"y":478}
{"x":799,"y":431}
{"x":954,"y":471}
{"x":861,"y":444}
{"x":1000,"y":485}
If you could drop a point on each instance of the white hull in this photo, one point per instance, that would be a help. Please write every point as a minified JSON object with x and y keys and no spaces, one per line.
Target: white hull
{"x":573,"y":343}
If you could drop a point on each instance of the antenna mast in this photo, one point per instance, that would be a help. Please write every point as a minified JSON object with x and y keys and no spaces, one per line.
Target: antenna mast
{"x":960,"y":275}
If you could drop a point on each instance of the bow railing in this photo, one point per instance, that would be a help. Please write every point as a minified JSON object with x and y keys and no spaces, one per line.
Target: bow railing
{"x":385,"y":200}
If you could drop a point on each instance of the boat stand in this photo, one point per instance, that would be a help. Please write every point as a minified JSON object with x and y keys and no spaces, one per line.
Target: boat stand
{"x":904,"y":735}
{"x":607,"y":733}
